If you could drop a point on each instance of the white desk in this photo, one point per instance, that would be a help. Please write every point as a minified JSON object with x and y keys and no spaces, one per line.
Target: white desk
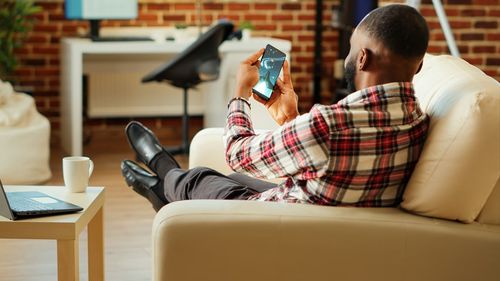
{"x":216,"y":96}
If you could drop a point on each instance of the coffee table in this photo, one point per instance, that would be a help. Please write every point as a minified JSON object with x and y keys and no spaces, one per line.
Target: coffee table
{"x":66,"y":230}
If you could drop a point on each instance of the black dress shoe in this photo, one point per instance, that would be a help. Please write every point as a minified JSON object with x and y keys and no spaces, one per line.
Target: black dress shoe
{"x":144,"y":183}
{"x":143,"y":142}
{"x":148,"y":147}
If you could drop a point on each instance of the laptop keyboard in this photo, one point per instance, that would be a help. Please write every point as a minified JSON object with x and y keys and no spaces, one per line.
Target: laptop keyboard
{"x":21,"y":204}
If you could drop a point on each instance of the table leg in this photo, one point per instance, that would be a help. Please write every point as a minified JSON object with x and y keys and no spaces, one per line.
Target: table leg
{"x":96,"y":247}
{"x":68,"y":260}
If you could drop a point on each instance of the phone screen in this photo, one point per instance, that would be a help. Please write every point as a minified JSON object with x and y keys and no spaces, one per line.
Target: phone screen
{"x":270,"y":66}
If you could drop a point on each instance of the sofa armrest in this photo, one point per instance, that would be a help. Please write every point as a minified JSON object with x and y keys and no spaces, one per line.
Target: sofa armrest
{"x":246,"y":240}
{"x":207,"y":150}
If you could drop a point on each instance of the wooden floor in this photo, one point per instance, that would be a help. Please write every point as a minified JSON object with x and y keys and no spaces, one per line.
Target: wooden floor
{"x":128,"y":221}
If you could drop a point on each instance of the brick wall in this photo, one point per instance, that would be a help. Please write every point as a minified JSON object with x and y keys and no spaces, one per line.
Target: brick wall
{"x":475,"y":24}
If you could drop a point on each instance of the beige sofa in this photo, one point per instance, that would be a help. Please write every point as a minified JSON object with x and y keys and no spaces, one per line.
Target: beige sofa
{"x":456,"y":179}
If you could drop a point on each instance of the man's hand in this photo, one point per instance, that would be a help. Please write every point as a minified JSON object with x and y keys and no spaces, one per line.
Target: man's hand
{"x":248,"y":75}
{"x":283,"y":102}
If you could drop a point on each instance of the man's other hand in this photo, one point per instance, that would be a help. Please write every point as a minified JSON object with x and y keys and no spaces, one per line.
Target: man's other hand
{"x":248,"y":75}
{"x":283,"y":104}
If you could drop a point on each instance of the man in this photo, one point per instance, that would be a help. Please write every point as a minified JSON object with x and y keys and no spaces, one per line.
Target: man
{"x":360,"y":151}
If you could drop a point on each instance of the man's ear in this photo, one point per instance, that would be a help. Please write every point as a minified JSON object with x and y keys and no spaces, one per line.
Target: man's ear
{"x":420,"y":66}
{"x":364,"y":59}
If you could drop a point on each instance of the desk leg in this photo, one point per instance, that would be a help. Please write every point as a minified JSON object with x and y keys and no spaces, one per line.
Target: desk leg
{"x":68,"y":260}
{"x":96,"y":247}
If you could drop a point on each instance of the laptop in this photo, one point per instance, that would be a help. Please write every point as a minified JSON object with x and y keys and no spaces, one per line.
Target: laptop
{"x":29,"y":204}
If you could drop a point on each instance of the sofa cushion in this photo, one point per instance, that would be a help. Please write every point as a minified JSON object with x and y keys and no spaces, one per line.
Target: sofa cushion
{"x":491,"y":210}
{"x":460,"y":163}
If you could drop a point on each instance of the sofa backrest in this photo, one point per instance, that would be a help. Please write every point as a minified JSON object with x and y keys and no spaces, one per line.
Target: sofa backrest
{"x":459,"y":167}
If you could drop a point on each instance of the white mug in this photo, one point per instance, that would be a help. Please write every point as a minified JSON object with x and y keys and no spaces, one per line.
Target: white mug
{"x":76,"y":172}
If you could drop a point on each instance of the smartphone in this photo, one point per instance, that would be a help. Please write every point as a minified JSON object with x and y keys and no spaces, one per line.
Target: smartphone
{"x":270,"y":66}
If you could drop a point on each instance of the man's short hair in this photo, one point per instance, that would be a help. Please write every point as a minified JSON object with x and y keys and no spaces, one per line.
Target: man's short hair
{"x":399,"y":27}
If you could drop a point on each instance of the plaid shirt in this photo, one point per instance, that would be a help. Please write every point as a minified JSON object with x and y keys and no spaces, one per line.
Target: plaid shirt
{"x":360,"y":151}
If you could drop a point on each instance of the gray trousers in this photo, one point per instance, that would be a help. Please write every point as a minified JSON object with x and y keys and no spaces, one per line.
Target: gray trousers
{"x":206,"y":183}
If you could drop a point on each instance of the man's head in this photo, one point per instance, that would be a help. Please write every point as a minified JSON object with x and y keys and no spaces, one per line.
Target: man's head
{"x":387,"y":46}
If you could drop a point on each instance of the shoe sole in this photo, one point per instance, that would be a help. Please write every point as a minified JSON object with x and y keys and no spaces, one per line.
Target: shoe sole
{"x":150,"y":195}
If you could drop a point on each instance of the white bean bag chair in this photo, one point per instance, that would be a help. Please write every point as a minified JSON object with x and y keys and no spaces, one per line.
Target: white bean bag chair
{"x":24,"y":139}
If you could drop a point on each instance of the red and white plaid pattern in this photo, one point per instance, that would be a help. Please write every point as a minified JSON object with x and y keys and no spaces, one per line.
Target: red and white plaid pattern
{"x":360,"y":151}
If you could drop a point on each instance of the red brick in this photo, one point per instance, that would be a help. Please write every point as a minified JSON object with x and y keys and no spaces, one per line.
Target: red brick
{"x":435,"y":49}
{"x":460,"y":24}
{"x":270,"y":27}
{"x":213,"y":6}
{"x":47,"y":72}
{"x":33,"y":61}
{"x":70,"y":28}
{"x":54,"y":50}
{"x":184,"y":6}
{"x":158,"y":6}
{"x":473,"y":60}
{"x":437,"y":36}
{"x":52,"y":28}
{"x":148,"y":17}
{"x":472,"y":36}
{"x":55,"y":39}
{"x":33,"y":83}
{"x":486,"y":24}
{"x":54,"y":103}
{"x":433,"y":25}
{"x":47,"y":93}
{"x":493,"y":37}
{"x":282,"y":17}
{"x":306,"y":17}
{"x":291,"y":6}
{"x":292,"y":27}
{"x":49,"y":6}
{"x":427,"y":12}
{"x":255,"y":17}
{"x":463,"y":49}
{"x":23,"y":71}
{"x":494,"y":13}
{"x":490,"y":72}
{"x":40,"y":105}
{"x":56,"y":17}
{"x":484,"y":49}
{"x":451,"y":12}
{"x":54,"y":61}
{"x":473,"y":13}
{"x":35,"y":38}
{"x":54,"y":84}
{"x":296,"y":48}
{"x":330,"y":38}
{"x":304,"y":59}
{"x":265,"y":6}
{"x":493,"y":61}
{"x":238,"y":6}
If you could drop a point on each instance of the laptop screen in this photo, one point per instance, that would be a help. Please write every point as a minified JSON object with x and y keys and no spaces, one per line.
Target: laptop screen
{"x":5,"y":210}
